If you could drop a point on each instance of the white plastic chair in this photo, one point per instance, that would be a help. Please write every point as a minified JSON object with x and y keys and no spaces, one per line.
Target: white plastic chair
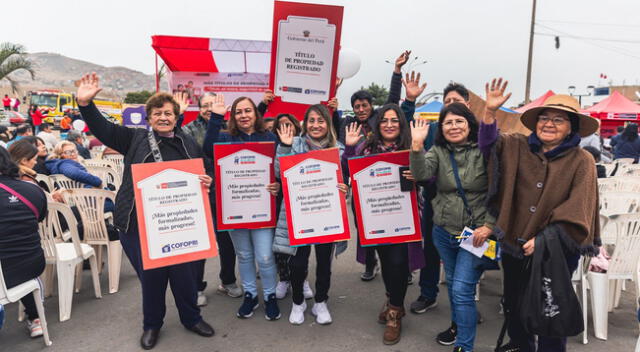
{"x":96,"y":152}
{"x":117,"y":159}
{"x":67,"y":256}
{"x":619,"y":202}
{"x":579,"y":280}
{"x":99,"y":162}
{"x":623,"y":265}
{"x":624,"y":161}
{"x":14,"y":294}
{"x":46,"y":180}
{"x":63,"y":182}
{"x":90,"y":203}
{"x":106,"y":174}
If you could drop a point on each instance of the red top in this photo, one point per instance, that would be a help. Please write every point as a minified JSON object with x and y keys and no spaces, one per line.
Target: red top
{"x":6,"y":101}
{"x":36,"y":117}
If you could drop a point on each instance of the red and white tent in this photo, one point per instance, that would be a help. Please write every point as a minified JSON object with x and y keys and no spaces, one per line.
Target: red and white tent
{"x":232,"y":67}
{"x":615,"y":106}
{"x":535,"y":103}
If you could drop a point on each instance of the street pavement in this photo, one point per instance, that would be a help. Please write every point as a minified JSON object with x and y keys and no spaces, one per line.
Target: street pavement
{"x":114,"y":323}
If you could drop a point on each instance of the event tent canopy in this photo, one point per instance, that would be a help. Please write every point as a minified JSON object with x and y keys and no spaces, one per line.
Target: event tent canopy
{"x":434,"y":106}
{"x":535,"y":103}
{"x":616,"y":106}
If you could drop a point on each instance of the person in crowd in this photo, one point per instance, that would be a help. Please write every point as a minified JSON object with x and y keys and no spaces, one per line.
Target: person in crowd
{"x":16,"y":103}
{"x":616,"y":138}
{"x":198,"y":129}
{"x":558,"y":195}
{"x":317,"y":133}
{"x":36,"y":117}
{"x":461,"y":181}
{"x":25,"y":155}
{"x":6,"y":102}
{"x":268,"y":124}
{"x":137,"y":145}
{"x":282,"y":259}
{"x":22,"y":205}
{"x":430,"y":273}
{"x":39,"y":143}
{"x":46,"y":133}
{"x":362,"y":104}
{"x":77,"y":138}
{"x":397,"y":260}
{"x":65,"y":123}
{"x":5,"y":136}
{"x":628,"y":145}
{"x":251,"y":245}
{"x":592,"y":140}
{"x":64,"y":160}
{"x":21,"y":131}
{"x":600,"y":169}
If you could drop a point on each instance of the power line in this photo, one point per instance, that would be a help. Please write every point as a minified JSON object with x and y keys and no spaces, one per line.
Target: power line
{"x":594,"y":23}
{"x":592,"y":38}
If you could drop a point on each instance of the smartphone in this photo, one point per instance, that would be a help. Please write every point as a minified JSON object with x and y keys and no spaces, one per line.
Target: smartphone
{"x":405,"y":184}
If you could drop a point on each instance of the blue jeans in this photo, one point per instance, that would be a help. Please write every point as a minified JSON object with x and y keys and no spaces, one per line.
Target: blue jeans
{"x":255,"y":246}
{"x":463,"y":270}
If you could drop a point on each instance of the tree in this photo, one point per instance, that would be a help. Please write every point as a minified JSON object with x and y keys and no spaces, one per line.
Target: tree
{"x":140,"y":97}
{"x":380,"y":93}
{"x":13,"y":57}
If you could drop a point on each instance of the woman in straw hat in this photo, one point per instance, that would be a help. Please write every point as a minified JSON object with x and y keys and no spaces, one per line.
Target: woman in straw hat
{"x":539,"y":185}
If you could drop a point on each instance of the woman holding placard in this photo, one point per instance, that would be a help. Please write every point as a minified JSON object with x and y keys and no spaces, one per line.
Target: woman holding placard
{"x":317,"y":133}
{"x":164,"y":142}
{"x":251,"y":245}
{"x":391,"y":134}
{"x":462,"y":182}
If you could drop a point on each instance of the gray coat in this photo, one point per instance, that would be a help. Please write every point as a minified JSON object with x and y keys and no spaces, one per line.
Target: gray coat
{"x":281,"y":238}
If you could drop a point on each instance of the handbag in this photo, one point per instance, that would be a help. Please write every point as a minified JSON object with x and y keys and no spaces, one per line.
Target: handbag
{"x":552,"y":308}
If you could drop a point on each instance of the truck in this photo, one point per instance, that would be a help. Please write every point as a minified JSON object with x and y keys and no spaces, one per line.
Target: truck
{"x":54,"y":103}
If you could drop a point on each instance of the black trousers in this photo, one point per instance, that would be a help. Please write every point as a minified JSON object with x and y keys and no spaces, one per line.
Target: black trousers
{"x":181,"y":278}
{"x":227,"y":255}
{"x":394,"y":259}
{"x":282,"y":261}
{"x":299,"y":265}
{"x":514,"y":279}
{"x":21,"y":269}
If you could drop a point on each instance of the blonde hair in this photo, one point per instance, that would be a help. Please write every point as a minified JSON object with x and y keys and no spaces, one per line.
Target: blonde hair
{"x":57,"y":151}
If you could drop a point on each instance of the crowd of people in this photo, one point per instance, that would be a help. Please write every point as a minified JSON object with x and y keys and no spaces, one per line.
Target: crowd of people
{"x":515,"y":189}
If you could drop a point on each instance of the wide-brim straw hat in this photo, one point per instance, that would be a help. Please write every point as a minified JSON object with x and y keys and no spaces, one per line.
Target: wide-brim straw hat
{"x":587,"y":124}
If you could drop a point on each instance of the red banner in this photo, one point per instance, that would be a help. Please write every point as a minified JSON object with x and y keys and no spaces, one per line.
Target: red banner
{"x":385,"y":214}
{"x":174,"y":214}
{"x":304,"y":55}
{"x":243,"y":171}
{"x":316,"y":209}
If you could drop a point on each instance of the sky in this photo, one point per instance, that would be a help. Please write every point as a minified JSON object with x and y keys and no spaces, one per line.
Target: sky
{"x":464,"y":41}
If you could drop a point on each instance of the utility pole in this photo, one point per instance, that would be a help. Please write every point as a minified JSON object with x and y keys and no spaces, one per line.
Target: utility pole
{"x":527,"y":92}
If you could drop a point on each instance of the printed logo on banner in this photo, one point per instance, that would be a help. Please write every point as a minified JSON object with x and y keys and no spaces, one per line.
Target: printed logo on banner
{"x":406,"y":228}
{"x":310,"y":169}
{"x":244,"y":160}
{"x":315,"y":91}
{"x":169,"y":185}
{"x":306,"y":231}
{"x":257,"y":216}
{"x":179,"y":246}
{"x":380,"y":172}
{"x":374,"y":232}
{"x":327,"y":228}
{"x":291,"y":89}
{"x":234,"y":217}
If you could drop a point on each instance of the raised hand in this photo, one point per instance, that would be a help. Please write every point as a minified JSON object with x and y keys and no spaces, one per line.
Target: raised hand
{"x":285,"y":132}
{"x":268,"y":96}
{"x":495,"y":94}
{"x":419,"y":132}
{"x":218,"y":106}
{"x":352,"y":136}
{"x":182,"y":98}
{"x":88,"y":88}
{"x":412,"y":86}
{"x":333,"y":104}
{"x":401,"y":60}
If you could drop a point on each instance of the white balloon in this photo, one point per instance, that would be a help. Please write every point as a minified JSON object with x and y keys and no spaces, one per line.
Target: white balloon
{"x":78,"y":125}
{"x":348,"y":63}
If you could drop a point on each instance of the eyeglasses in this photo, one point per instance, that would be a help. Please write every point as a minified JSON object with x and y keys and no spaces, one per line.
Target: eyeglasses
{"x":455,"y":123}
{"x":390,"y":122}
{"x":70,"y":152}
{"x":557,"y":121}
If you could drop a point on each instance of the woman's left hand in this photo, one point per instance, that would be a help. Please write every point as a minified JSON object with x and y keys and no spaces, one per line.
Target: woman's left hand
{"x":343,"y":188}
{"x":206,"y":181}
{"x":529,"y":247}
{"x":480,"y":235}
{"x":273,"y":188}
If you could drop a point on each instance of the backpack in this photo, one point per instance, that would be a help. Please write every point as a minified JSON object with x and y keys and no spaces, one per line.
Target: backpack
{"x":550,"y":306}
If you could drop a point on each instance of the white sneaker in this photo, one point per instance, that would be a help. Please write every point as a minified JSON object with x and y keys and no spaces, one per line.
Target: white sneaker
{"x":306,"y":290}
{"x":281,"y":289}
{"x":321,"y":311}
{"x":297,"y":313}
{"x":202,"y":299}
{"x":35,"y":329}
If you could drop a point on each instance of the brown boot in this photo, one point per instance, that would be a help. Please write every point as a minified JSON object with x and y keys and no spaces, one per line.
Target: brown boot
{"x":394,"y":325}
{"x":382,"y":317}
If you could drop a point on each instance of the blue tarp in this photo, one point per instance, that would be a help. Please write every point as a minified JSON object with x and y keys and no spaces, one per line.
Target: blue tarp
{"x":434,"y":106}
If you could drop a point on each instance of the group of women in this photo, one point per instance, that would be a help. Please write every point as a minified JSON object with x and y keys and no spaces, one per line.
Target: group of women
{"x":507,"y":187}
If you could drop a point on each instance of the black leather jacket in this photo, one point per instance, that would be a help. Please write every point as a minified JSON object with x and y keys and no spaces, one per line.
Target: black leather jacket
{"x":134,"y":145}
